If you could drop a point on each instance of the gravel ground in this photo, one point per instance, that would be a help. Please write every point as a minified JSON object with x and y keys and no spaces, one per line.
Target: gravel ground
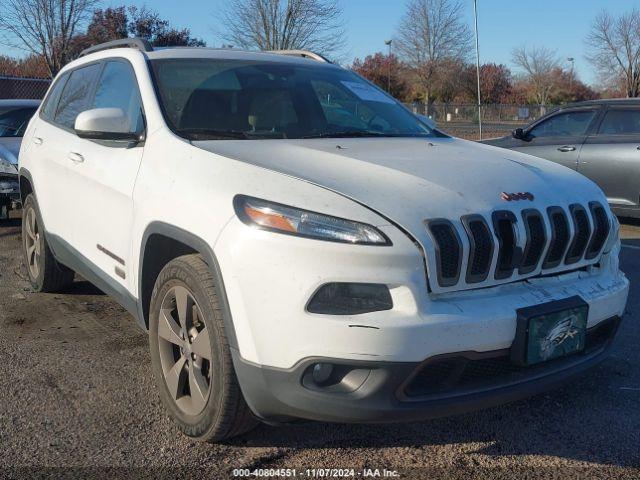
{"x":78,"y":399}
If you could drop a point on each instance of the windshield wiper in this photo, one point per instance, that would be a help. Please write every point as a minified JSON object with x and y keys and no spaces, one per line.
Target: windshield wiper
{"x":210,"y":134}
{"x":347,"y":134}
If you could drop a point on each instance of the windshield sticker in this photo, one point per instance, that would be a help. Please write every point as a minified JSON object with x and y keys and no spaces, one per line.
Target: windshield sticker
{"x":367,"y":92}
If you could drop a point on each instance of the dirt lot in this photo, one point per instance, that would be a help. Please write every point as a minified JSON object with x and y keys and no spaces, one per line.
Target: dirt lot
{"x":77,"y":394}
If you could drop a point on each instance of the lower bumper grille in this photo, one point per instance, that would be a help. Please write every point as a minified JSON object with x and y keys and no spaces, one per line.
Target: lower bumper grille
{"x":461,"y":373}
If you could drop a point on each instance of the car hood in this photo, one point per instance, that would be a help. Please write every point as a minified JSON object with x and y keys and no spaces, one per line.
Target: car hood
{"x":397,"y":177}
{"x":10,"y":148}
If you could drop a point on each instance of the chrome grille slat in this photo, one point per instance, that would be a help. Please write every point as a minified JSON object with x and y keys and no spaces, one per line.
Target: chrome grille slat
{"x":536,"y":241}
{"x":582,"y":234}
{"x":508,"y":253}
{"x":448,"y":251}
{"x":496,"y":250}
{"x":601,"y":228}
{"x":480,"y":248}
{"x":560,"y":236}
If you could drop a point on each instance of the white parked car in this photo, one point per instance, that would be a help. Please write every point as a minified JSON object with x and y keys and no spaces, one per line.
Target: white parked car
{"x":300,"y":246}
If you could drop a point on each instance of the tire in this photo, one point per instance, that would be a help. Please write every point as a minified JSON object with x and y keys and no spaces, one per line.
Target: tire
{"x":201,"y":394}
{"x":45,"y":273}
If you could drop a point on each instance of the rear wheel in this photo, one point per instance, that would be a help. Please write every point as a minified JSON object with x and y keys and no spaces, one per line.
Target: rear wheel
{"x":191,"y":356}
{"x":45,"y":273}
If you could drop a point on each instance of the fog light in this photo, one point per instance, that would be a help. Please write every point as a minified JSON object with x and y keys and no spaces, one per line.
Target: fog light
{"x":322,"y":372}
{"x":350,"y":299}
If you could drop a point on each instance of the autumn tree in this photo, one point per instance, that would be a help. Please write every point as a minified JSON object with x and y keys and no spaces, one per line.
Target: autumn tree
{"x":388,"y":72}
{"x":496,"y":83}
{"x":569,"y":88}
{"x":122,"y":22}
{"x":430,"y":33}
{"x":537,"y":64}
{"x":315,"y":25}
{"x":44,"y":27}
{"x":32,"y":66}
{"x":614,"y":49}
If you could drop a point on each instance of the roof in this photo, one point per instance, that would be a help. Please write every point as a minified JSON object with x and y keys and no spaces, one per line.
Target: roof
{"x":20,"y":103}
{"x":276,"y":56}
{"x":230,"y":54}
{"x":605,"y":101}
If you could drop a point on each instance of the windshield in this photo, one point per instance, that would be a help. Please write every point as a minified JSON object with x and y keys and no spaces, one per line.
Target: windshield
{"x":235,"y":99}
{"x":14,"y":120}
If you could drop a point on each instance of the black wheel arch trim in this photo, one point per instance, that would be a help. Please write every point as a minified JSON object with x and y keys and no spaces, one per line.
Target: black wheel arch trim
{"x":201,"y":247}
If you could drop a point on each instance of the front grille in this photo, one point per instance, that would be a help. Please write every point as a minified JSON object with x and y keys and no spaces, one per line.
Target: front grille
{"x":559,"y":237}
{"x":549,"y":242}
{"x":600,"y":230}
{"x":504,"y":225}
{"x":460,"y":373}
{"x":536,"y":241}
{"x":480,"y":248}
{"x":582,"y":232}
{"x":448,"y":251}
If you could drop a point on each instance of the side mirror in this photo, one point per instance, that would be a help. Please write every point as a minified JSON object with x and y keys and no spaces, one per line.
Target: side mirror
{"x":519,"y":134}
{"x":105,"y":124}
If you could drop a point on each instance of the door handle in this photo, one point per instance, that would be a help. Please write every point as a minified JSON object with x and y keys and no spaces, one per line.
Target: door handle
{"x":76,"y":157}
{"x":567,"y":148}
{"x":38,"y":140}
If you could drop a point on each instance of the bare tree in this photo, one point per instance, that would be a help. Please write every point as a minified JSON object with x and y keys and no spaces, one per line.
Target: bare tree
{"x":538,"y":64}
{"x":315,"y":25}
{"x":431,"y":35}
{"x":44,"y":27}
{"x":615,"y":49}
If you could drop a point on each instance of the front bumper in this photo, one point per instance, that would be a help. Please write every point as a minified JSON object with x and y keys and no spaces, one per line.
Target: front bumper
{"x":381,"y":392}
{"x":269,"y":279}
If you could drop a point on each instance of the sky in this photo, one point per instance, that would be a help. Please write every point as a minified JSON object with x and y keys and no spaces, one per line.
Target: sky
{"x":561,"y":25}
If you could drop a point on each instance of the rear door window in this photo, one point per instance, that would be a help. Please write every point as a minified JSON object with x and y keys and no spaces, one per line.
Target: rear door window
{"x":620,"y":122}
{"x":51,"y":103}
{"x":76,"y":95}
{"x":566,"y":124}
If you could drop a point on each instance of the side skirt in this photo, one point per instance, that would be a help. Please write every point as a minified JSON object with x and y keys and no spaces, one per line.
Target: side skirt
{"x":67,"y":255}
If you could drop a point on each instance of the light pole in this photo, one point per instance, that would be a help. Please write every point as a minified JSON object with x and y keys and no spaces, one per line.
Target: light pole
{"x":475,"y":15}
{"x":388,"y":44}
{"x":572,"y":61}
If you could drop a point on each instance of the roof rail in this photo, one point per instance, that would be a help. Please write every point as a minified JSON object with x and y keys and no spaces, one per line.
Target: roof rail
{"x":139,"y":43}
{"x":301,"y":53}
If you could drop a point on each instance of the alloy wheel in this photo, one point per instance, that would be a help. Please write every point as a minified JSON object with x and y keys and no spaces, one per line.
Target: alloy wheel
{"x":32,"y":243}
{"x":185,"y":350}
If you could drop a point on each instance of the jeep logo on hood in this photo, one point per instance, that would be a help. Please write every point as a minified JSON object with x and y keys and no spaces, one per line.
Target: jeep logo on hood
{"x":514,"y":197}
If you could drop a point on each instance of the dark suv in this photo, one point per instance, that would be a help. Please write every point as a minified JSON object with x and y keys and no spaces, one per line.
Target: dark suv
{"x":599,"y":138}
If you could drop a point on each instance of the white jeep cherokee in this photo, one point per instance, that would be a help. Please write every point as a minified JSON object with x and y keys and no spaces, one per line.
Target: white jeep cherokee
{"x":301,"y":246}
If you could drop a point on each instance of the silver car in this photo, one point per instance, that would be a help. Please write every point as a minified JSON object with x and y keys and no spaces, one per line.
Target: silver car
{"x":14,"y":118}
{"x":599,"y":138}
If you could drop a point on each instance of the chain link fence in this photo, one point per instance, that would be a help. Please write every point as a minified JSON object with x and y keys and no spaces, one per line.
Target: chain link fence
{"x":23,"y":88}
{"x":468,"y":112}
{"x":461,"y":119}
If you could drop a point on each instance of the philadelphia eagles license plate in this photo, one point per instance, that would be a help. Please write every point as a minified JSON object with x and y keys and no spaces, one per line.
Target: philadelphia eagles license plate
{"x":549,"y":331}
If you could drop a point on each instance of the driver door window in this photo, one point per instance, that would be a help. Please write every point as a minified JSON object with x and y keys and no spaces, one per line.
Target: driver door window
{"x":118,"y":88}
{"x":566,"y":124}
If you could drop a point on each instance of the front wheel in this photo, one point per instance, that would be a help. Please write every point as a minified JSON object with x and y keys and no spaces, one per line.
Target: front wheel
{"x":190,"y":353}
{"x":45,"y":273}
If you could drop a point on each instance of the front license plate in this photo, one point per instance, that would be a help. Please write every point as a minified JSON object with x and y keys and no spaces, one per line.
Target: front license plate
{"x":549,"y":331}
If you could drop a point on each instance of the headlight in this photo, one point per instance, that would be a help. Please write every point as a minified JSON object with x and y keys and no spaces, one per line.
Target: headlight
{"x":7,"y":167}
{"x":280,"y":218}
{"x":614,"y":235}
